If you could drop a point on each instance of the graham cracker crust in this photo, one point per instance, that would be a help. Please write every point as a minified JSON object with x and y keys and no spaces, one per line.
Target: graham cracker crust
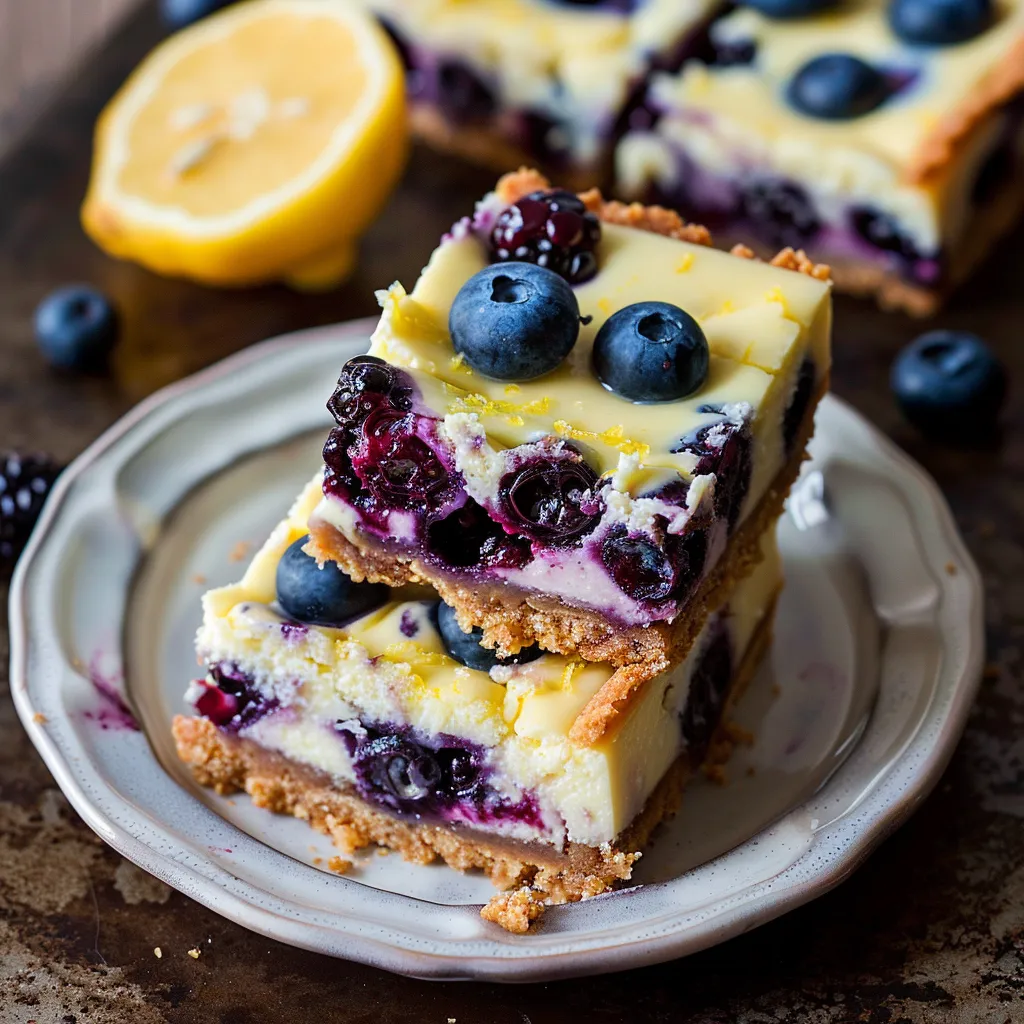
{"x":512,"y":619}
{"x":530,"y":875}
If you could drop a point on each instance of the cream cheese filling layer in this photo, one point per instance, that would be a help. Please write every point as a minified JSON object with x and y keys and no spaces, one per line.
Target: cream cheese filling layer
{"x":390,"y":666}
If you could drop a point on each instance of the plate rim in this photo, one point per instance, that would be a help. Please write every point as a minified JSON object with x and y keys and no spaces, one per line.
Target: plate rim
{"x":893,"y":811}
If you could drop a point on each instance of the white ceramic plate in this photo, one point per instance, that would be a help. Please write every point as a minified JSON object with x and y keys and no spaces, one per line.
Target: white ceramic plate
{"x":877,"y":655}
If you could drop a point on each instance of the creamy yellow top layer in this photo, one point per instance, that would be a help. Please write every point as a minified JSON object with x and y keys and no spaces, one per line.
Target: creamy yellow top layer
{"x":760,"y":322}
{"x":754,"y":96}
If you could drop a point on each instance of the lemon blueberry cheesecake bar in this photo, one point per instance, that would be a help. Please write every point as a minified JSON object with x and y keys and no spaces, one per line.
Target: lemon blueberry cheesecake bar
{"x":885,"y":137}
{"x":371,"y":714}
{"x":578,"y":424}
{"x":545,"y":81}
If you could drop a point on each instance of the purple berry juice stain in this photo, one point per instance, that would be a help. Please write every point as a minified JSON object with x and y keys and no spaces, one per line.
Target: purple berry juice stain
{"x":112,"y":712}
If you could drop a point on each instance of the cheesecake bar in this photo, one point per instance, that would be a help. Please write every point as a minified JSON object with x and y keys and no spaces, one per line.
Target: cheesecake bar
{"x":639,"y":407}
{"x":884,"y":137}
{"x":370,"y":714}
{"x":542,"y":81}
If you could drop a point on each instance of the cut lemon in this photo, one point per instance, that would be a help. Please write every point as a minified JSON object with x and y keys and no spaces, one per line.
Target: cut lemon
{"x":257,"y":145}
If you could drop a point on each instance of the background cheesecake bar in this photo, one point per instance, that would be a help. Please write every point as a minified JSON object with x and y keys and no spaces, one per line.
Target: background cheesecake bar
{"x":395,"y":728}
{"x":552,"y":509}
{"x":507,"y":81}
{"x":885,"y":137}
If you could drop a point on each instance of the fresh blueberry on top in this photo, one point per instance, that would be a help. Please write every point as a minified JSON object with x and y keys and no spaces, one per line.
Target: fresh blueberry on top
{"x":466,"y":648}
{"x":651,"y":352}
{"x":949,"y":384}
{"x":552,"y":229}
{"x":514,"y":321}
{"x":76,"y":328}
{"x":939,"y":22}
{"x":322,"y":597}
{"x":789,"y":8}
{"x":837,"y":87}
{"x":179,"y":13}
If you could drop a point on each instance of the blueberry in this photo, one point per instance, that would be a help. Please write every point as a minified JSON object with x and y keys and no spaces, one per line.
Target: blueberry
{"x":780,"y":211}
{"x":514,"y":321}
{"x":76,"y":328}
{"x":949,"y":384}
{"x":466,"y":648}
{"x":651,"y":352}
{"x":837,"y":87}
{"x":789,"y":8}
{"x":939,"y":22}
{"x":322,"y":597}
{"x":179,"y":13}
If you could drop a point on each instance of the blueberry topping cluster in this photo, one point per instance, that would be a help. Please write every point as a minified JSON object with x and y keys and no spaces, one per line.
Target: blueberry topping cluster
{"x":950,"y":385}
{"x":467,"y":648}
{"x":25,"y":481}
{"x":399,"y":771}
{"x":378,"y":450}
{"x":838,"y":87}
{"x":940,"y":22}
{"x":514,"y":321}
{"x":552,"y":229}
{"x":651,"y":352}
{"x":322,"y":596}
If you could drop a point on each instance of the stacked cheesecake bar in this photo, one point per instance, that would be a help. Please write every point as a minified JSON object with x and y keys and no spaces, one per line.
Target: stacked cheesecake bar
{"x":503,"y":626}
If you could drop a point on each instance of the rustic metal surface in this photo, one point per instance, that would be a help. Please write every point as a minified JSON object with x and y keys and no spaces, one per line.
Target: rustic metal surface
{"x":930,"y":930}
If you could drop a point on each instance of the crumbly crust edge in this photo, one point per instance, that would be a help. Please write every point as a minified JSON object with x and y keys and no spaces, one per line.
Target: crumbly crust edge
{"x":940,"y":148}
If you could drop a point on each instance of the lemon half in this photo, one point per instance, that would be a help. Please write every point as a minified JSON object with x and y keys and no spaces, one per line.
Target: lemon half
{"x":255,"y":146}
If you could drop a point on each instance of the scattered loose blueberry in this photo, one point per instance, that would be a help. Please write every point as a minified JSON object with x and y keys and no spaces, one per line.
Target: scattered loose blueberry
{"x":651,"y":352}
{"x":179,"y":13}
{"x":553,"y":500}
{"x":949,"y":384}
{"x":514,"y":321}
{"x":322,"y":597}
{"x":940,"y":22}
{"x":76,"y":328}
{"x":780,"y":211}
{"x":552,"y":229}
{"x":837,"y":87}
{"x":789,"y":8}
{"x":25,"y":481}
{"x":466,"y":648}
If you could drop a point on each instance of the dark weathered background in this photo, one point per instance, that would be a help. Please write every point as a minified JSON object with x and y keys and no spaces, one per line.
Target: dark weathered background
{"x":931,"y":930}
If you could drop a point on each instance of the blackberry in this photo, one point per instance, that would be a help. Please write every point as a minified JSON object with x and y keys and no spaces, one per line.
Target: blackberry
{"x":25,"y":481}
{"x":552,"y":229}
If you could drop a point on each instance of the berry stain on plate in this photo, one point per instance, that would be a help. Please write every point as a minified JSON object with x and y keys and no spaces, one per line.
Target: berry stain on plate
{"x":111,"y":712}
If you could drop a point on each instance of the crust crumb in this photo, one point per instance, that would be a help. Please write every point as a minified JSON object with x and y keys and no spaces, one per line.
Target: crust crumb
{"x":513,"y":186}
{"x":39,"y":718}
{"x":339,"y":865}
{"x":194,"y":953}
{"x":199,"y":579}
{"x":655,"y":219}
{"x":950,"y":569}
{"x":744,"y":252}
{"x":240,"y":551}
{"x":158,"y":952}
{"x":514,"y":911}
{"x":716,"y":773}
{"x":797,"y":260}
